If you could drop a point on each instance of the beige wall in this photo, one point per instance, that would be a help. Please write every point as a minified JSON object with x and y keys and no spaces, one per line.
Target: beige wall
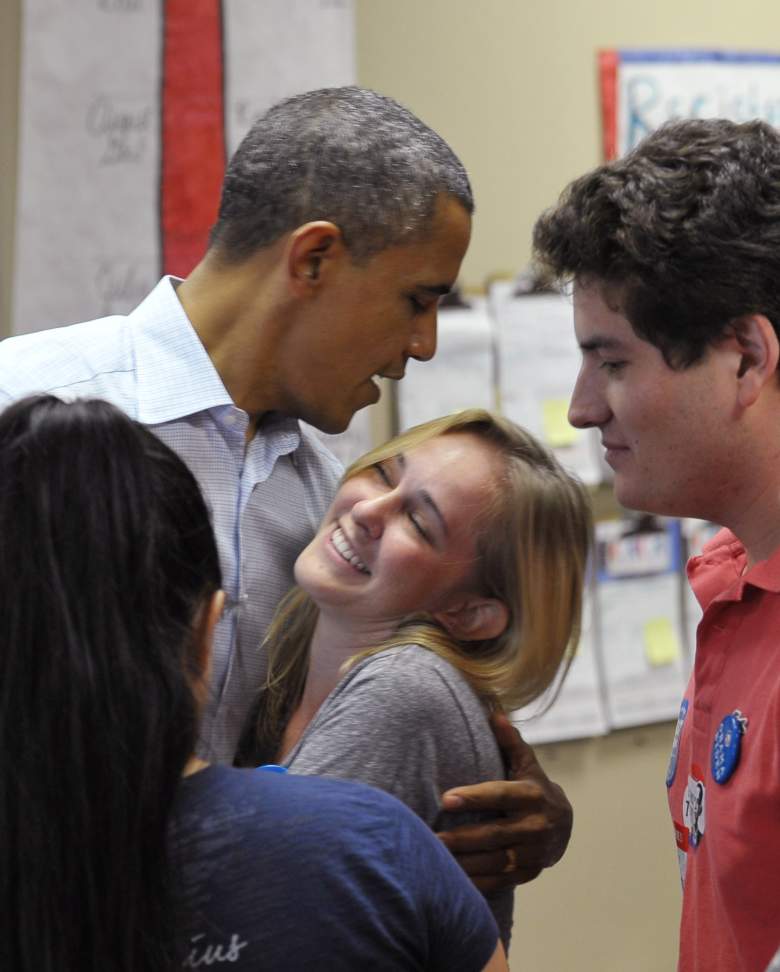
{"x":512,"y":86}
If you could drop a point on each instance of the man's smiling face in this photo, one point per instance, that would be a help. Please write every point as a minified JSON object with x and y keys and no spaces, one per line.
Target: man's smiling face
{"x":664,"y":430}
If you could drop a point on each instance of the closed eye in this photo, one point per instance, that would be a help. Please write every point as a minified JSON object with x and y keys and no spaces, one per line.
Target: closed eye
{"x":415,"y":521}
{"x":382,"y":473}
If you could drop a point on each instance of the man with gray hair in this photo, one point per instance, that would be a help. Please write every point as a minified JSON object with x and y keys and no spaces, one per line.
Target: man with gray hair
{"x":343,"y":220}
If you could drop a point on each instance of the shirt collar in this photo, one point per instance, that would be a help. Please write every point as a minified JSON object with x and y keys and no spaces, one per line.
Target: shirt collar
{"x":766,"y":573}
{"x":175,"y":376}
{"x":717,"y":574}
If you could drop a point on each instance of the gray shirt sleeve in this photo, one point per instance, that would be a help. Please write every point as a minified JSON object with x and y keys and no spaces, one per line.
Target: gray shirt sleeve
{"x":404,"y":721}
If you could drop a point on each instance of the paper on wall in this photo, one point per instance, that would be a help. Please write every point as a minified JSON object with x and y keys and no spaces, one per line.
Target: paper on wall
{"x":640,"y":621}
{"x":580,"y":709}
{"x":459,"y":376}
{"x":537,"y":365}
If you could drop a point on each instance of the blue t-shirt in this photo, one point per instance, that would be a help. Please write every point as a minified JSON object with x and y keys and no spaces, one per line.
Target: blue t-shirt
{"x":285,"y":872}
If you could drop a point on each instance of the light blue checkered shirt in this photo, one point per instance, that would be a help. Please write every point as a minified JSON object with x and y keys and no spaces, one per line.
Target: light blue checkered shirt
{"x":266,"y":500}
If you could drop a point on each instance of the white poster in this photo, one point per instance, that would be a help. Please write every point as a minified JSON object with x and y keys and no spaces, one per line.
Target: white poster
{"x":537,"y":363}
{"x":639,"y":603}
{"x":461,"y":373}
{"x":641,"y":90}
{"x":579,"y":710}
{"x":89,"y":227}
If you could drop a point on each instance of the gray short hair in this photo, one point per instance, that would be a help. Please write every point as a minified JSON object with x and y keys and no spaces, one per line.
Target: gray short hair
{"x":347,"y":155}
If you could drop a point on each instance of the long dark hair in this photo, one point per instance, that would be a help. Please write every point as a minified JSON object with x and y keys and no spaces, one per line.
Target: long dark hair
{"x":106,"y":559}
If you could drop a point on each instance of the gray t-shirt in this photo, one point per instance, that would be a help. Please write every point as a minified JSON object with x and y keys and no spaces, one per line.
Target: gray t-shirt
{"x":407,"y":722}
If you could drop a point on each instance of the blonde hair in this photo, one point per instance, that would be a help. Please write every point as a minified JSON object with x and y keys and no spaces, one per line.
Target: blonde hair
{"x":533,"y":541}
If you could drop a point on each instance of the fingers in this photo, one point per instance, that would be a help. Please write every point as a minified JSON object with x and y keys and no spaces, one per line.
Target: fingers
{"x":510,"y":796}
{"x":497,"y":882}
{"x":518,"y":755}
{"x":512,"y":862}
{"x":529,"y":835}
{"x":506,"y":734}
{"x":490,"y":872}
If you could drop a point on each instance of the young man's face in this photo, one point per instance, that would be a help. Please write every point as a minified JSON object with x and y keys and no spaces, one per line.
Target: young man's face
{"x":665,"y":432}
{"x":370,"y":318}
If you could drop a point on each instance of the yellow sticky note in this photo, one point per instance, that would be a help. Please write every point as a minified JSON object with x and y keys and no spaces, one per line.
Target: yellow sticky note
{"x":662,"y":646}
{"x":557,"y":430}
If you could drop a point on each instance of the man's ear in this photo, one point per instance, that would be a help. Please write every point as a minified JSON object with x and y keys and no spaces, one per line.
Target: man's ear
{"x":205,"y":624}
{"x":475,"y":618}
{"x":759,"y":350}
{"x":310,"y":251}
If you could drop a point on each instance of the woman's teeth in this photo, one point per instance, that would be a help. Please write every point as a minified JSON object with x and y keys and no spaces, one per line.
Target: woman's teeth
{"x":344,"y":549}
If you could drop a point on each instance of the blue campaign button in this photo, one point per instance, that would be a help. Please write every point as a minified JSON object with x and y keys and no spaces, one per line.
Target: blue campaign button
{"x":727,"y":746}
{"x":671,"y":769}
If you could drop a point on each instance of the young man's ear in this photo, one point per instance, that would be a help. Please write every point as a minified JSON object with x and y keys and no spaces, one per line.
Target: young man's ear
{"x":759,"y":351}
{"x":311,"y":249}
{"x":475,"y":618}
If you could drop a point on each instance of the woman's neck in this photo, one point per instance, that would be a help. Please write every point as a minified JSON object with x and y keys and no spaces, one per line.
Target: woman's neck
{"x":334,"y":641}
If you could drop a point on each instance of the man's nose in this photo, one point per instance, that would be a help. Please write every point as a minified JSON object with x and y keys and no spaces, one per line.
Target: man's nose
{"x":588,"y":406}
{"x":422,"y":343}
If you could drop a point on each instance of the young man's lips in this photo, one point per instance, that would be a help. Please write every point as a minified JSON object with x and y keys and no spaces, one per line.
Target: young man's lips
{"x":613,"y":452}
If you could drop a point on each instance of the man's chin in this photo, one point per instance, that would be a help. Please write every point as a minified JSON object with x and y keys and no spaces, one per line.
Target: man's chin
{"x":632,"y":496}
{"x":330,"y":423}
{"x":628,"y":495}
{"x":332,"y":419}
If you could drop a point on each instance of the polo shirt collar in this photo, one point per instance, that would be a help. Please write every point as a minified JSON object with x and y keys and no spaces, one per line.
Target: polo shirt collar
{"x":721,"y":563}
{"x":766,"y":574}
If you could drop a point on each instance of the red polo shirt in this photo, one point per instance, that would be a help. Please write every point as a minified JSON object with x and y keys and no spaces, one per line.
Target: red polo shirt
{"x":728,"y":832}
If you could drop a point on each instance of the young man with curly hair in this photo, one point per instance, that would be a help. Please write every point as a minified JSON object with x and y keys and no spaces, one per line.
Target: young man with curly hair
{"x":674,"y":254}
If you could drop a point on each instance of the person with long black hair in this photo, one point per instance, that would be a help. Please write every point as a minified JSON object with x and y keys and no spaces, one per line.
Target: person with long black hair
{"x":119,"y":850}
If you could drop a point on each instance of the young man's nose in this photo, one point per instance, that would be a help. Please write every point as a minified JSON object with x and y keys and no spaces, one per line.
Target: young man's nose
{"x":587,"y":406}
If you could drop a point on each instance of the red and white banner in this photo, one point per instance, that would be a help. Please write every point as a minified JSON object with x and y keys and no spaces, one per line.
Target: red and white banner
{"x":129,"y":109}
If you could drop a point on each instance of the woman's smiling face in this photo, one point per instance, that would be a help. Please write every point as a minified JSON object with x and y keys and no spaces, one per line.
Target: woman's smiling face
{"x":400,"y":537}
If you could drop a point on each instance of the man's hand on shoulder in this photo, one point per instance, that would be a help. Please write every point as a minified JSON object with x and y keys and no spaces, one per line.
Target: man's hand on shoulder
{"x":534,"y":832}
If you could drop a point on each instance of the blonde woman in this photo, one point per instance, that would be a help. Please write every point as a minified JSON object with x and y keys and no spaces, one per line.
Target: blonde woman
{"x":444,"y":582}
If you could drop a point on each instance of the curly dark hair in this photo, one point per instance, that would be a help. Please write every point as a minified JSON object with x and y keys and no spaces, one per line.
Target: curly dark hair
{"x":683,"y":232}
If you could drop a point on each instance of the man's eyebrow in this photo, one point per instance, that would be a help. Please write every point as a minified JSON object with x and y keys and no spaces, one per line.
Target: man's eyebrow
{"x":601,"y":343}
